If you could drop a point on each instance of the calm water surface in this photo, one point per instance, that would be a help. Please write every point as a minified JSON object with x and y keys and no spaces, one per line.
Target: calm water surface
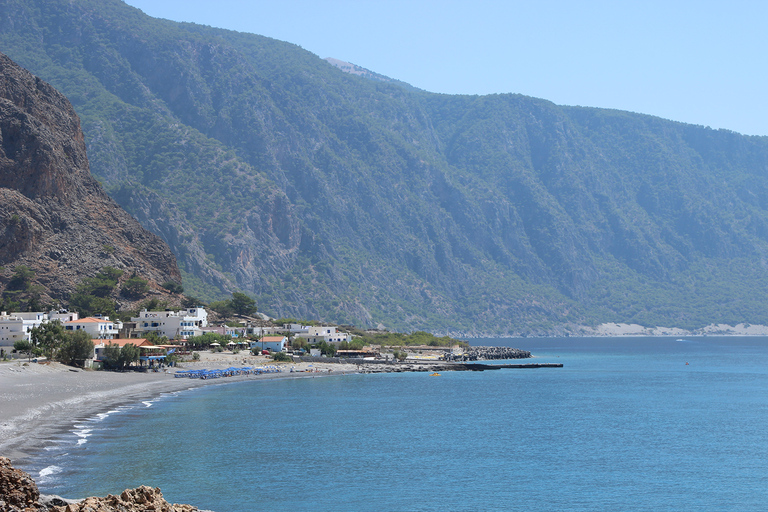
{"x":626,"y":424}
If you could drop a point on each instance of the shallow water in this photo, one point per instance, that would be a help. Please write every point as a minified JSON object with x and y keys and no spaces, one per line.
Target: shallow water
{"x":626,"y":424}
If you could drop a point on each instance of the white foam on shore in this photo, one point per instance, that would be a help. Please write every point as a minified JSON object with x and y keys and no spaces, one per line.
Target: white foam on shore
{"x":48,"y":472}
{"x":104,"y":415}
{"x":83,"y":434}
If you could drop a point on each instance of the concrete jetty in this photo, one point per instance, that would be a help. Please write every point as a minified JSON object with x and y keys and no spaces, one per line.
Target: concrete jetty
{"x":443,"y":366}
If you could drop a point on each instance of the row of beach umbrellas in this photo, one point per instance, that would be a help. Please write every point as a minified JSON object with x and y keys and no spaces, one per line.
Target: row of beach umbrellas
{"x":228,"y":372}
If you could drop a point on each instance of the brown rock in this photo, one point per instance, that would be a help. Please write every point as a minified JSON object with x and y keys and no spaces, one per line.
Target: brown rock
{"x":19,"y":493}
{"x":141,"y":499}
{"x":17,"y":489}
{"x":54,"y":216}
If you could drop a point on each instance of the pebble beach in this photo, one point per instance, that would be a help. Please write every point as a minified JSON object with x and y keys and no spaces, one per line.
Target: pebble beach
{"x":39,"y":399}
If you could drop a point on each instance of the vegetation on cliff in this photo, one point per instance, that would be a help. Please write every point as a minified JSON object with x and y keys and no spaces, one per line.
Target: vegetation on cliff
{"x":57,"y":224}
{"x":328,"y":195}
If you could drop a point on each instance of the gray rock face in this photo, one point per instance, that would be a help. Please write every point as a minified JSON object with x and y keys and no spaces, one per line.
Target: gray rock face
{"x":54,"y":216}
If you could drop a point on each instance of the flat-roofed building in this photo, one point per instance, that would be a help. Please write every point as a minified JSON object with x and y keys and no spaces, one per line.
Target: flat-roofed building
{"x":180,"y":324}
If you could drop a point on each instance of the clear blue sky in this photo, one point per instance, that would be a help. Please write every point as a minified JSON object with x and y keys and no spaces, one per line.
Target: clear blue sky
{"x":700,"y":62}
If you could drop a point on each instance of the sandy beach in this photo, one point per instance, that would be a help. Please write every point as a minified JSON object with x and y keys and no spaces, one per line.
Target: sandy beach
{"x":38,"y":400}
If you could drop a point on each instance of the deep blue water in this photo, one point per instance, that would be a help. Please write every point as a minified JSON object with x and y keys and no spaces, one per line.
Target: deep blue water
{"x":624,"y":425}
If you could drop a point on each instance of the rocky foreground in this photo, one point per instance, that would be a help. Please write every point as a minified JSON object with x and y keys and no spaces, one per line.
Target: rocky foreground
{"x":19,"y":493}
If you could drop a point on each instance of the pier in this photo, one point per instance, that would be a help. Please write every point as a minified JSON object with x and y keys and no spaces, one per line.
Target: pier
{"x":479,"y":367}
{"x":443,"y":366}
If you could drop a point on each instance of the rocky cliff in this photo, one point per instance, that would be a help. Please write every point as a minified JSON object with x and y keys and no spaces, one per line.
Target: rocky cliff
{"x":331,"y":196}
{"x":55,"y":217}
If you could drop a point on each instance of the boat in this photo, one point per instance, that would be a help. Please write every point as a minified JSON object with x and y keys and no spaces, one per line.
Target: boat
{"x":434,"y":374}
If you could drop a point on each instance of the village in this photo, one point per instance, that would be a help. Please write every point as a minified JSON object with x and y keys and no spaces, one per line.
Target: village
{"x":164,"y":338}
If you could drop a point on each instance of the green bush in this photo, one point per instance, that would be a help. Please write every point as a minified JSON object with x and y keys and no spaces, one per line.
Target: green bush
{"x":173,"y":287}
{"x":281,"y":356}
{"x":135,"y":287}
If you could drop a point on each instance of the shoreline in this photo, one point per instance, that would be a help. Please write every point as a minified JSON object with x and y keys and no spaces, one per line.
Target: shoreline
{"x":39,"y":401}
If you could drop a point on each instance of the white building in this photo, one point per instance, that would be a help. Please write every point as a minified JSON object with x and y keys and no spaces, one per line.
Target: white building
{"x":264,"y":331}
{"x":173,"y":324}
{"x":100,"y":328}
{"x":295,"y":328}
{"x":17,"y":325}
{"x":328,"y":334}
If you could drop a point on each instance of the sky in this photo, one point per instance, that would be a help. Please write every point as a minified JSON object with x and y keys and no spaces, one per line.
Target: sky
{"x":701,"y":62}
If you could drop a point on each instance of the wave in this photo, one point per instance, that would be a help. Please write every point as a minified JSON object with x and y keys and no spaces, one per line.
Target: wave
{"x":48,"y":472}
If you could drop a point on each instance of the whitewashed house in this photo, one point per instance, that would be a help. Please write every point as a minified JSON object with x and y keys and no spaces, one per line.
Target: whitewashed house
{"x":328,"y":334}
{"x":100,"y":328}
{"x":181,"y":324}
{"x":13,"y":327}
{"x":16,"y":326}
{"x":264,"y":331}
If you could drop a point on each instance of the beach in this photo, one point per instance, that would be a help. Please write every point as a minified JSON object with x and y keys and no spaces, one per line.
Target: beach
{"x":38,"y":399}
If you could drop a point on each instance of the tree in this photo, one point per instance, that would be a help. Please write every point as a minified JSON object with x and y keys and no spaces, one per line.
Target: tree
{"x":76,"y":348}
{"x":173,"y":287}
{"x":110,"y":356}
{"x":191,"y":302}
{"x":23,"y":346}
{"x":117,"y":358}
{"x":327,"y":349}
{"x":8,"y":304}
{"x":129,"y":354}
{"x":102,"y":284}
{"x":204,"y":340}
{"x":222,"y":307}
{"x":281,"y":357}
{"x":154,"y":304}
{"x":34,"y":303}
{"x":21,"y":279}
{"x":135,"y":287}
{"x":89,"y":305}
{"x":155,"y":339}
{"x":242,"y":304}
{"x":48,"y":337}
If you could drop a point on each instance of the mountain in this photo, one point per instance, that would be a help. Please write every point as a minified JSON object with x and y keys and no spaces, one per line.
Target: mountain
{"x":354,"y":69}
{"x":332,"y":196}
{"x":55,"y":218}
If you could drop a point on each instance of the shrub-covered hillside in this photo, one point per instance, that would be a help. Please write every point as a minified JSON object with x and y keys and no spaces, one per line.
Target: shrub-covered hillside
{"x":331,"y":196}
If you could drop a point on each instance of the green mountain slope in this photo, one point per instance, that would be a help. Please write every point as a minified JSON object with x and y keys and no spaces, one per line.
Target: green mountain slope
{"x":331,"y":196}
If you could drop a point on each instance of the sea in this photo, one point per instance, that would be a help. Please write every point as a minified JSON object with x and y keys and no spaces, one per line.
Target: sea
{"x":628,"y":424}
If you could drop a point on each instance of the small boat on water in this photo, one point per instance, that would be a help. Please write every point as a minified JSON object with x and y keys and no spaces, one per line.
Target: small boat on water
{"x":434,"y":374}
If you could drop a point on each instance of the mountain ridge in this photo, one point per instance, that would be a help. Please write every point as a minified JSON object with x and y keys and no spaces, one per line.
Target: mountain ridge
{"x":335,"y":197}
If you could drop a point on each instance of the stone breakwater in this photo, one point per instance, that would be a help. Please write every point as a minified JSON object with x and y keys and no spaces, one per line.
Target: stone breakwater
{"x":489,"y":353}
{"x":443,"y":366}
{"x":19,"y":493}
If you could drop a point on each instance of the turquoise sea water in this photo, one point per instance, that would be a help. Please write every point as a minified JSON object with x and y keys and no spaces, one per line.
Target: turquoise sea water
{"x":626,"y":424}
